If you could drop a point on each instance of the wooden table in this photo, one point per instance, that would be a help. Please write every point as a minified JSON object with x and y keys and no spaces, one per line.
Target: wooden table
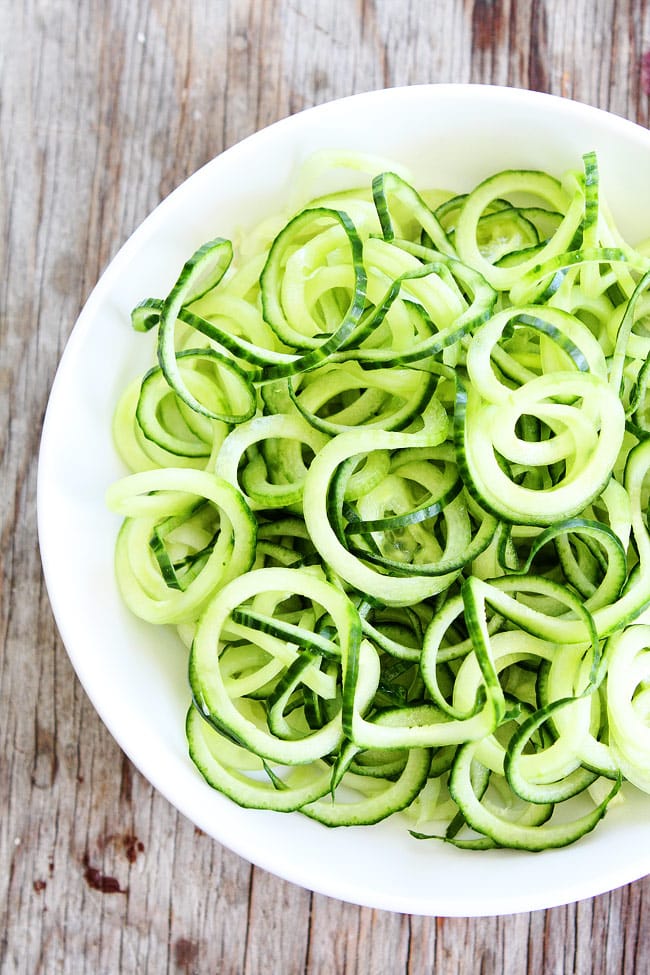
{"x":105,"y":106}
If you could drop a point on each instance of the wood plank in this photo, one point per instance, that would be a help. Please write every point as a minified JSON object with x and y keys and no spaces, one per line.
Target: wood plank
{"x":105,"y":108}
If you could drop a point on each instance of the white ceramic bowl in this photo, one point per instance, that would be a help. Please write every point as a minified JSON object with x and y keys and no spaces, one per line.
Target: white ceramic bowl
{"x":450,"y":136}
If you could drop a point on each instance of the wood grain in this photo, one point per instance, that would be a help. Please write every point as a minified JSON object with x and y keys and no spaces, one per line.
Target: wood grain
{"x":104,"y":108}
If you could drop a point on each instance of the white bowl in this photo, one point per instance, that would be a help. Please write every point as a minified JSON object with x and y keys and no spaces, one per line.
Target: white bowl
{"x":450,"y":136}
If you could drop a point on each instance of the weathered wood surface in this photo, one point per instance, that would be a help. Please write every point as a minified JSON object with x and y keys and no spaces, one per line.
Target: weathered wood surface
{"x":105,"y":106}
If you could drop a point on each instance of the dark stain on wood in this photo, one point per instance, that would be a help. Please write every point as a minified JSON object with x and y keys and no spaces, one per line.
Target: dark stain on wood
{"x":132,"y":847}
{"x":46,"y":762}
{"x":97,"y":880}
{"x":186,"y":953}
{"x":129,"y":843}
{"x":538,"y":58}
{"x":39,"y":886}
{"x":488,"y":24}
{"x":645,"y":73}
{"x":126,"y":781}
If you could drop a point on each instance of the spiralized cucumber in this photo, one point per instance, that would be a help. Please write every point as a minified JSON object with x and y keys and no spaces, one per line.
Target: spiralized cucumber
{"x":389,"y":481}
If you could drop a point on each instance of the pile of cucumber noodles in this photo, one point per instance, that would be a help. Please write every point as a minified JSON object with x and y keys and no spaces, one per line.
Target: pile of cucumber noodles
{"x":389,"y":483}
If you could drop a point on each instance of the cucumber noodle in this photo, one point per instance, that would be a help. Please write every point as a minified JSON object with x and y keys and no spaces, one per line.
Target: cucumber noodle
{"x":389,"y":483}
